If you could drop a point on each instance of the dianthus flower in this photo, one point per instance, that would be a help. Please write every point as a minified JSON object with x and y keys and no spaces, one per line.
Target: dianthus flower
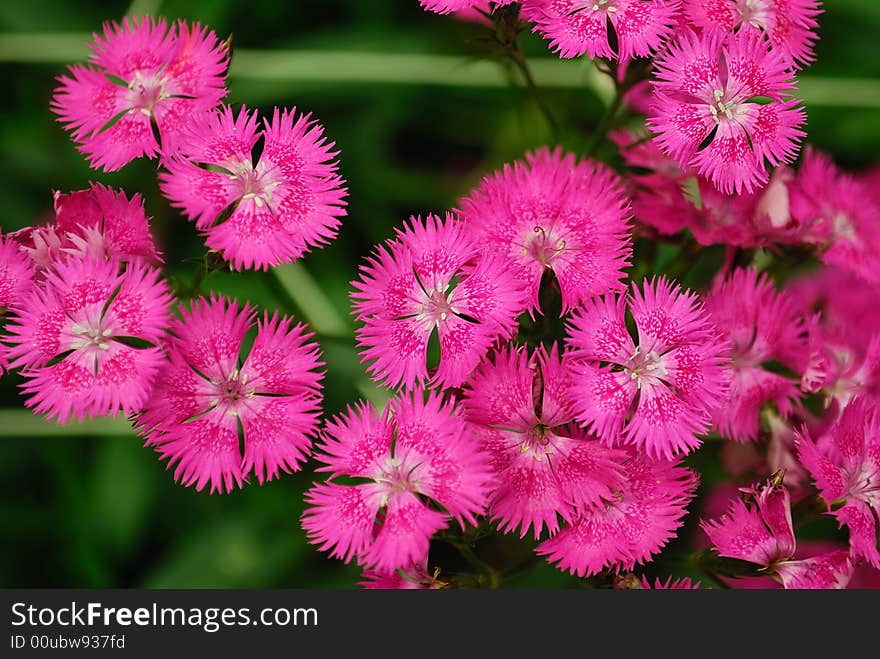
{"x":758,"y":529}
{"x":552,"y":212}
{"x":575,"y":27}
{"x":143,"y":75}
{"x":659,"y":392}
{"x":844,"y":340}
{"x":211,"y":401}
{"x":670,"y":197}
{"x":97,"y":221}
{"x":414,"y":577}
{"x":262,"y":213}
{"x":758,"y":526}
{"x":545,"y":467}
{"x":847,"y":211}
{"x":396,"y":479}
{"x":849,"y":306}
{"x":832,"y":570}
{"x":789,"y":25}
{"x":633,"y":527}
{"x":433,"y":275}
{"x":763,"y":326}
{"x":705,"y":92}
{"x":656,"y":184}
{"x":87,"y":338}
{"x":16,"y":275}
{"x":845,"y":465}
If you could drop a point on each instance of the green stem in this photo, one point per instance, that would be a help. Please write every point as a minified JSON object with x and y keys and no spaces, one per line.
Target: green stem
{"x":605,"y":123}
{"x":506,"y":28}
{"x":518,"y":57}
{"x":477,"y":563}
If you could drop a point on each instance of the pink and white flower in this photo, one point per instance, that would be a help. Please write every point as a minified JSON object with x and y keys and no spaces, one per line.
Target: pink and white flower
{"x":846,"y":210}
{"x":553,"y":212}
{"x":830,"y":571}
{"x":758,"y":528}
{"x":789,"y":25}
{"x":414,"y":577}
{"x":643,"y":516}
{"x":433,"y":276}
{"x":706,"y":92}
{"x":218,"y":414}
{"x":575,"y":27}
{"x":545,"y":467}
{"x":142,"y":75}
{"x":264,"y":212}
{"x":87,"y":338}
{"x":97,"y":221}
{"x":844,"y":462}
{"x":16,"y":279}
{"x":660,"y":391}
{"x":763,"y":326}
{"x":396,"y":479}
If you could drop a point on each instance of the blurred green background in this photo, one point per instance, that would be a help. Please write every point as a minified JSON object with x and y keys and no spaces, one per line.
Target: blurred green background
{"x":418,"y":121}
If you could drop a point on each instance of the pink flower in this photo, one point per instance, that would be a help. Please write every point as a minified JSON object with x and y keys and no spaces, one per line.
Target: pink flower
{"x":433,"y":274}
{"x":827,"y":571}
{"x":211,"y":399}
{"x":16,"y":277}
{"x":552,"y":212}
{"x":847,"y":211}
{"x":849,"y":306}
{"x":656,"y":184}
{"x":758,"y":529}
{"x":104,"y":222}
{"x":631,"y":529}
{"x":763,"y":326}
{"x":758,"y":526}
{"x":575,"y":27}
{"x":545,"y":468}
{"x":144,"y":80}
{"x":396,"y":479}
{"x":670,"y":584}
{"x":98,"y":221}
{"x":789,"y":25}
{"x":262,"y":213}
{"x":706,"y":88}
{"x":16,"y":273}
{"x":841,"y":371}
{"x":845,"y":465}
{"x":659,"y":392}
{"x":669,"y":197}
{"x":758,"y":219}
{"x":87,"y":335}
{"x":414,"y":577}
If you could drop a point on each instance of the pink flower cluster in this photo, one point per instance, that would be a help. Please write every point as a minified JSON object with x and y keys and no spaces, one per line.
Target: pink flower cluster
{"x":721,"y":99}
{"x":585,"y":468}
{"x":155,"y":90}
{"x":220,"y":391}
{"x":549,"y":381}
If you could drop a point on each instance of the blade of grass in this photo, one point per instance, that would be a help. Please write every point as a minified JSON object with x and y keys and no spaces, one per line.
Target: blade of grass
{"x":315,"y":307}
{"x":24,"y":423}
{"x":413,"y":69}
